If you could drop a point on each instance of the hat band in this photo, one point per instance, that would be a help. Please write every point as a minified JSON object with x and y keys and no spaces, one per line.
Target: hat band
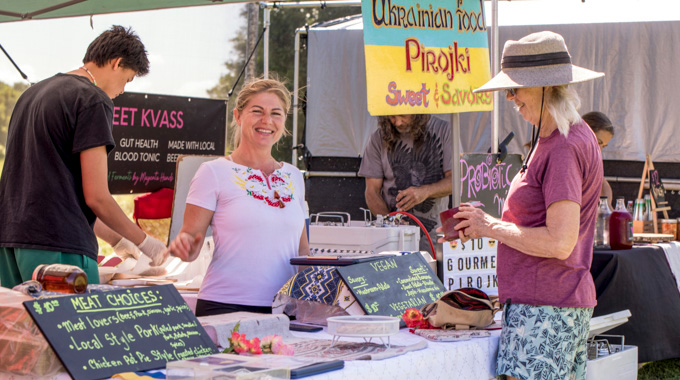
{"x":547,"y":59}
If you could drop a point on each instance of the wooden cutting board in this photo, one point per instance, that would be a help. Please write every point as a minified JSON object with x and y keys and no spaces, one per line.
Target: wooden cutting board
{"x":652,"y":238}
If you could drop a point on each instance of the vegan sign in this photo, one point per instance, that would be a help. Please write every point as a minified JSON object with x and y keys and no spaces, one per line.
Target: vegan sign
{"x":425,"y":57}
{"x":97,"y":335}
{"x":392,"y":285}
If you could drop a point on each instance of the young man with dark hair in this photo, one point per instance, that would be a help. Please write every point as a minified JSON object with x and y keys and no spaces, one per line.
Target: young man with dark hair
{"x":54,"y":183}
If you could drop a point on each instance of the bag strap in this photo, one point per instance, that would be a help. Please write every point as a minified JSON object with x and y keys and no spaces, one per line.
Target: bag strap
{"x":488,"y":303}
{"x":496,"y":305}
{"x":493,"y":302}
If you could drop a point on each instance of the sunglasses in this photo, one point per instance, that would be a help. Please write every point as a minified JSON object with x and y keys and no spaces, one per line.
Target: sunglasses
{"x":510,"y":92}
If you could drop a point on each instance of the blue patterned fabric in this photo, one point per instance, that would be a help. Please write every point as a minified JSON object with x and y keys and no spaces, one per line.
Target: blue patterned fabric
{"x":318,"y":284}
{"x":544,"y":342}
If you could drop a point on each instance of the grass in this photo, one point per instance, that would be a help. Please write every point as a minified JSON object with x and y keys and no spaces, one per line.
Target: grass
{"x":662,"y":369}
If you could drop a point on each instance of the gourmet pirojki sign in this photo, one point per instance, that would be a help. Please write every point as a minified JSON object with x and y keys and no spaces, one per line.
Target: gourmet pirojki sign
{"x":425,"y":57}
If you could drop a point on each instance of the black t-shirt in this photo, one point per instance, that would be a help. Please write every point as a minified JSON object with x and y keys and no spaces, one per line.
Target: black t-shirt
{"x":41,"y":194}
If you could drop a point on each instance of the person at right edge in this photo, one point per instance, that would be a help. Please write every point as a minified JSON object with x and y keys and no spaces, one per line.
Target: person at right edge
{"x":604,"y":132}
{"x":54,"y":184}
{"x":546,"y":231}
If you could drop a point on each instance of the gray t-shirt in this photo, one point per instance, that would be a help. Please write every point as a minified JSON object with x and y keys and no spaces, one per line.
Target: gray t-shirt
{"x":405,"y":166}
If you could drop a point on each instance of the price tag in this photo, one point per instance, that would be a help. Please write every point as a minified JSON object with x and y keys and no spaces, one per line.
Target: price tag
{"x":470,"y":265}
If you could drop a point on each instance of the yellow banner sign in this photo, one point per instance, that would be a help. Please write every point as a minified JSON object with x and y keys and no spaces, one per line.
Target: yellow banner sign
{"x":425,"y":58}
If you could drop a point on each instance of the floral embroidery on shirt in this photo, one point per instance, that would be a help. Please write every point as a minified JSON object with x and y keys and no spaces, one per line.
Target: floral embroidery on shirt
{"x":275,"y":190}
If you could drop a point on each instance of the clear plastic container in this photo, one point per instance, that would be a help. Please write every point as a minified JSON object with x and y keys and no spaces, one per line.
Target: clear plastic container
{"x":61,"y":278}
{"x":226,"y":367}
{"x":365,"y":326}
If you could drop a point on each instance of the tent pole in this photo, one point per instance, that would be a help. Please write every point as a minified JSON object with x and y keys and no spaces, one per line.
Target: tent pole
{"x":495,"y":69}
{"x":266,"y":23}
{"x":311,"y":4}
{"x":296,"y":96}
{"x":455,"y":159}
{"x":267,"y":6}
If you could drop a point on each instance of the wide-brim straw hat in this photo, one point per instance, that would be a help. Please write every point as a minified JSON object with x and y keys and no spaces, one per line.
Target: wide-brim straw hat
{"x":537,"y":60}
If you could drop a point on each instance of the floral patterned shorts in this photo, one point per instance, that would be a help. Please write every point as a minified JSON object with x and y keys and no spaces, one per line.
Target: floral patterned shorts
{"x":544,"y":342}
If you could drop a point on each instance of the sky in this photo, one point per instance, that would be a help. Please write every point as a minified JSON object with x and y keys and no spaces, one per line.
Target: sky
{"x":187,"y":46}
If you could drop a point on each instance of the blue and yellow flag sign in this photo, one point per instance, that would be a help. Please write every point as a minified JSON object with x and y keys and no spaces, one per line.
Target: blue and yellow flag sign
{"x":425,"y":57}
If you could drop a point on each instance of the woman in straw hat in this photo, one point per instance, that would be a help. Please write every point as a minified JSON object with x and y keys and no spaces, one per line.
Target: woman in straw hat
{"x":546,"y":232}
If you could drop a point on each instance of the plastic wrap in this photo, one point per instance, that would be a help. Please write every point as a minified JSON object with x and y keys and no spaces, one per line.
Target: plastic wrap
{"x":23,"y":348}
{"x":315,"y":294}
{"x":220,"y":326}
{"x":306,"y":311}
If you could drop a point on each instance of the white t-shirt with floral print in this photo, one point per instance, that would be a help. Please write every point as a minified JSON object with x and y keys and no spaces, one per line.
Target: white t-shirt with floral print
{"x":257,"y":224}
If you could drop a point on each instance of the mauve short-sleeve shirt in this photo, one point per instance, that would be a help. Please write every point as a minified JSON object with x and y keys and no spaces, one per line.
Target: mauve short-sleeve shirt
{"x":561,"y":168}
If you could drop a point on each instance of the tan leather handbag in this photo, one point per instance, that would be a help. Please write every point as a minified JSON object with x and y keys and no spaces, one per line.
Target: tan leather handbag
{"x":461,"y":309}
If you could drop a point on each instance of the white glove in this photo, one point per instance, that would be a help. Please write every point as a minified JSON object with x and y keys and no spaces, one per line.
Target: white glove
{"x":155,"y":249}
{"x":125,"y":249}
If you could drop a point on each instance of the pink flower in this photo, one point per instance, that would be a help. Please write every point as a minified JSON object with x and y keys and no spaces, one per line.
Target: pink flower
{"x":266,"y":343}
{"x":424,"y":324}
{"x":412,"y":317}
{"x":286,"y":350}
{"x":270,"y":344}
{"x":278,"y":346}
{"x":241,"y":344}
{"x":254,"y":346}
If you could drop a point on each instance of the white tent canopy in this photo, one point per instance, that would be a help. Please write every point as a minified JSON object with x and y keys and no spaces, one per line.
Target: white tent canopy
{"x":638,"y":92}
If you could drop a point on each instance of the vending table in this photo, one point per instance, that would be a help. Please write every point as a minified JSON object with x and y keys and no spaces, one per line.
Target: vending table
{"x":640,"y":280}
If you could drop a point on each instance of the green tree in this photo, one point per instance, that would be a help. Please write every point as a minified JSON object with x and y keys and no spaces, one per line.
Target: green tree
{"x":8,"y":98}
{"x":283,"y":24}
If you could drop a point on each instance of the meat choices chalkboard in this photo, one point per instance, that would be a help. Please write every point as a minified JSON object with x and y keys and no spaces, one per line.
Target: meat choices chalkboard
{"x":97,"y":335}
{"x":151,"y":131}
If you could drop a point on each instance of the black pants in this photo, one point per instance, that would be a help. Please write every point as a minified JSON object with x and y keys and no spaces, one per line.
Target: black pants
{"x":204,"y":307}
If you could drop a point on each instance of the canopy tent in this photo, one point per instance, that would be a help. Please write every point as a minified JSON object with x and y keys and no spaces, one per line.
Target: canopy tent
{"x":637,"y":93}
{"x":16,"y":10}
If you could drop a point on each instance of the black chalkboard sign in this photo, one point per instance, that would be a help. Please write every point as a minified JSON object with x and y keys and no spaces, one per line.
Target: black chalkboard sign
{"x":392,"y":285}
{"x":97,"y":335}
{"x":658,"y":191}
{"x":151,"y":131}
{"x":483,"y":179}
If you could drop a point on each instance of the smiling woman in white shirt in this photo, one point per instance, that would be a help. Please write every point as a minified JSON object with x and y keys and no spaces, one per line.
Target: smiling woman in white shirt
{"x":255,"y":206}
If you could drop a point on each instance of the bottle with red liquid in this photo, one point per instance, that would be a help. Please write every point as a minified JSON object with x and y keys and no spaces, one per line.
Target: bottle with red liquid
{"x":61,"y":278}
{"x":620,"y":227}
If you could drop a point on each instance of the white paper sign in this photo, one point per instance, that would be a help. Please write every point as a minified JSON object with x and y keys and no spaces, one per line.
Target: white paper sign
{"x":471,"y":265}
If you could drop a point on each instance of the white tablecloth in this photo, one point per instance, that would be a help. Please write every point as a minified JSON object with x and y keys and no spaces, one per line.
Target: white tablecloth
{"x":672,"y":251}
{"x":468,"y":360}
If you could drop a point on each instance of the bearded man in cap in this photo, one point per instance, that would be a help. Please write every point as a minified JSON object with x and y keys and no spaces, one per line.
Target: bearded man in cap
{"x":407,"y":165}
